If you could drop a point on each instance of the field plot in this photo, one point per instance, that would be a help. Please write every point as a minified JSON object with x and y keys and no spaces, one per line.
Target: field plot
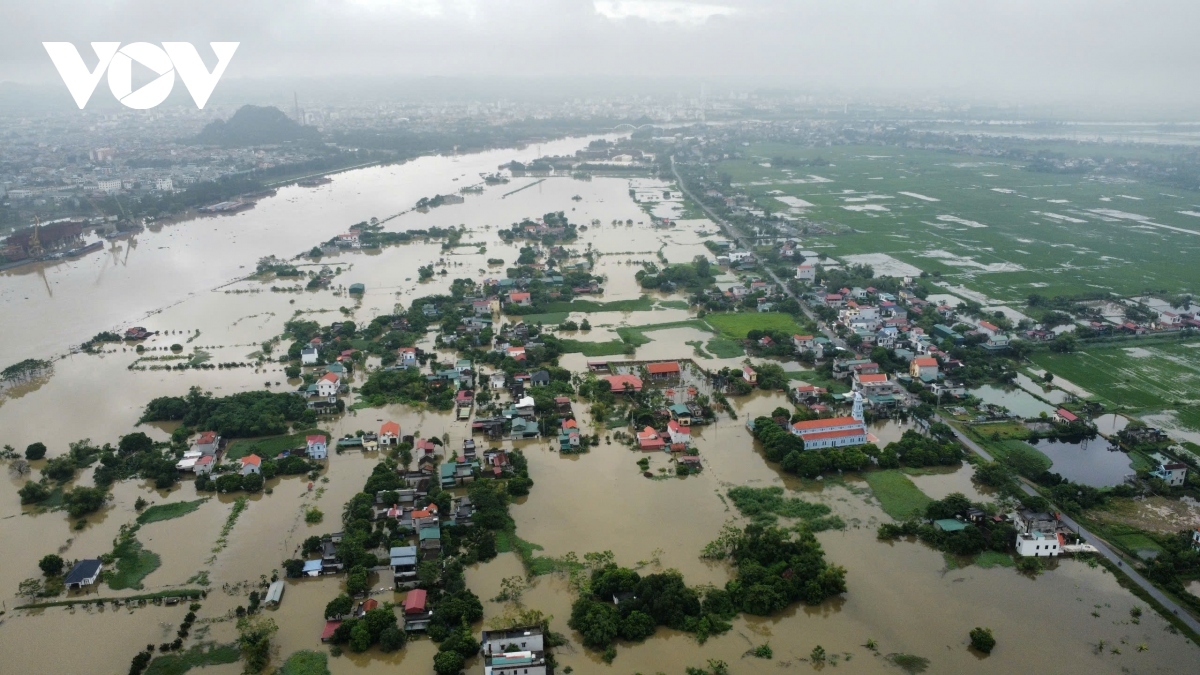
{"x":1145,"y":379}
{"x":994,"y":228}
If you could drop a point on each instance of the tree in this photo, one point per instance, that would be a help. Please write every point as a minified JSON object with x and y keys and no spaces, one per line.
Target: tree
{"x":252,"y":482}
{"x":356,"y":581}
{"x":293,"y":568}
{"x":51,"y":565}
{"x":35,"y":451}
{"x":33,"y":493}
{"x":360,"y":637}
{"x":339,"y":607}
{"x":637,"y":626}
{"x":518,"y":486}
{"x":135,"y":443}
{"x":597,"y":622}
{"x":392,"y":638}
{"x":82,"y":501}
{"x":254,"y":637}
{"x":982,"y":639}
{"x":447,"y":663}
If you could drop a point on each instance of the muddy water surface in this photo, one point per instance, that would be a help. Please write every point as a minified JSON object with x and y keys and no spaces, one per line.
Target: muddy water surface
{"x":900,"y":594}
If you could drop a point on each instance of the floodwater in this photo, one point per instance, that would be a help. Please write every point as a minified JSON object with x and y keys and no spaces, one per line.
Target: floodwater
{"x":1110,"y":424}
{"x":1091,"y":462}
{"x":174,"y":279}
{"x":1018,"y":401}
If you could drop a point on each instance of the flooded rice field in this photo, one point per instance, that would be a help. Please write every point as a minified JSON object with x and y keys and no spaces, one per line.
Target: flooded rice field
{"x":1091,"y":461}
{"x":177,"y":279}
{"x":1018,"y":401}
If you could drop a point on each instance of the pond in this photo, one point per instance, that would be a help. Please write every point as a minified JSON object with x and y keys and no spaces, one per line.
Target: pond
{"x":1017,"y":400}
{"x":1110,"y":424}
{"x":1055,"y":396}
{"x":1090,"y":462}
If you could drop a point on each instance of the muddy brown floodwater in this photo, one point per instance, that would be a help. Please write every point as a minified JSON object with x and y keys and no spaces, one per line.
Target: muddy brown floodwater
{"x":176,"y":278}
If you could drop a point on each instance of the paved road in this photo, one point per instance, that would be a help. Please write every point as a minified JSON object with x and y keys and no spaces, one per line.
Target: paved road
{"x":1092,"y":539}
{"x":737,"y":238}
{"x":1100,"y":545}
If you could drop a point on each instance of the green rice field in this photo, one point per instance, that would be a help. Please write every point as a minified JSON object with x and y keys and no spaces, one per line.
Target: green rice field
{"x":984,"y":223}
{"x":1138,"y":379}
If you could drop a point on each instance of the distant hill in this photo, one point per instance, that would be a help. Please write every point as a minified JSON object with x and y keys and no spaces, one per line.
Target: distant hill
{"x":255,"y":125}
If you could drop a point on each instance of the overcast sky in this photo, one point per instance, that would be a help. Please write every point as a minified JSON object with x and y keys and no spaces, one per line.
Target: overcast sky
{"x":1005,"y":50}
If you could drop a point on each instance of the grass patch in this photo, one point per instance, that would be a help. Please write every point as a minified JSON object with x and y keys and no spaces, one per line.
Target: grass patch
{"x":636,"y":335}
{"x":698,"y":349}
{"x":737,"y":325}
{"x":724,"y":348}
{"x":610,"y":348}
{"x":990,"y":559}
{"x":642,"y":304}
{"x":306,"y":663}
{"x":197,"y":657}
{"x":547,"y":319}
{"x":673,"y":304}
{"x":270,"y":446}
{"x":239,"y":505}
{"x":133,"y":563}
{"x":753,"y":502}
{"x":160,"y":512}
{"x":507,"y":541}
{"x":1026,"y":459}
{"x":1135,"y":542}
{"x":817,"y":380}
{"x":898,"y":495}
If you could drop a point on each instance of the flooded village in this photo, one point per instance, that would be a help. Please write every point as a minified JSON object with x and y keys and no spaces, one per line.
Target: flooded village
{"x":567,"y":409}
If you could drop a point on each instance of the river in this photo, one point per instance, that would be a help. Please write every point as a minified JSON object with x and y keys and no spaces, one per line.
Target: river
{"x":901,"y":594}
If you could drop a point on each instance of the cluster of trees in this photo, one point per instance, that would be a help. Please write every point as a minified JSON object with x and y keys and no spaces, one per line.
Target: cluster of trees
{"x":378,"y":626}
{"x":694,"y":276}
{"x":241,"y":415}
{"x":784,"y":447}
{"x":26,"y":370}
{"x":972,"y":539}
{"x":914,"y":449}
{"x":407,"y":386}
{"x":620,"y":603}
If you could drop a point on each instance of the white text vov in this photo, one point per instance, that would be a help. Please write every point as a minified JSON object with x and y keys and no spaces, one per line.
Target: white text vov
{"x":118,"y":61}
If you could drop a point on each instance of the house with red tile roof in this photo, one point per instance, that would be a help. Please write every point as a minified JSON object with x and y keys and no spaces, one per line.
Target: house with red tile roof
{"x":648,"y":439}
{"x":663,"y":371}
{"x":328,"y":385}
{"x":679,"y":434}
{"x":618,"y":383}
{"x":389,"y":433}
{"x":522,"y":299}
{"x":834,"y":432}
{"x":251,"y":464}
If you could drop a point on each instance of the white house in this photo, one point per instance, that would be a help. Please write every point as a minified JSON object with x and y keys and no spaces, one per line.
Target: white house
{"x":308,"y":356}
{"x":389,"y":433}
{"x":251,"y":464}
{"x":680,"y":434}
{"x":527,"y":638}
{"x":497,"y":380}
{"x":835,"y":432}
{"x":1172,"y":473}
{"x":328,"y":385}
{"x":1038,"y":545}
{"x":207,"y":443}
{"x":738,"y":256}
{"x":318,"y":447}
{"x":806,"y":273}
{"x":803,"y":343}
{"x":204,"y":465}
{"x":515,"y":663}
{"x":407,"y":356}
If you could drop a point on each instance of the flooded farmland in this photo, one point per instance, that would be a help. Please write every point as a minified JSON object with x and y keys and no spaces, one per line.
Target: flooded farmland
{"x":184,"y":278}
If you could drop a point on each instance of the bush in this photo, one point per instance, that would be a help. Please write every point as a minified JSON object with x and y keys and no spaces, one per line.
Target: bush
{"x":982,"y":639}
{"x":313,"y":515}
{"x":33,"y":493}
{"x":35,"y":451}
{"x":51,"y":565}
{"x":447,"y":663}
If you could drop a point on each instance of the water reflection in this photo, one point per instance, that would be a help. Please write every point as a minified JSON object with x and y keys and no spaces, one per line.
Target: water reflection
{"x":1091,"y":461}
